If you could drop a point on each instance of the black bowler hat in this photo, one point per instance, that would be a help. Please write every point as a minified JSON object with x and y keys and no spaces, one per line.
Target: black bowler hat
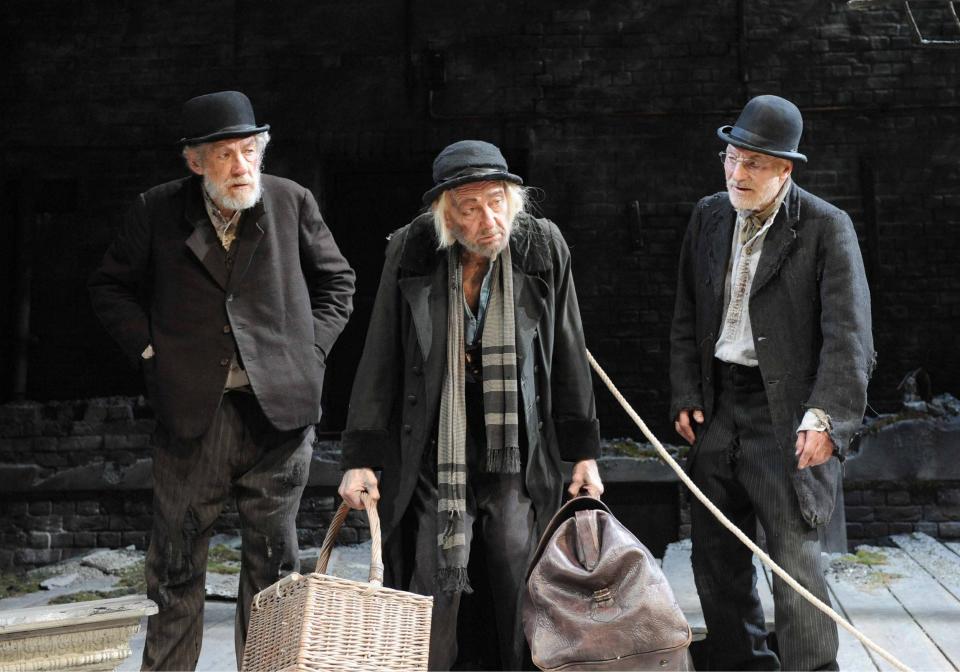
{"x":468,"y":161}
{"x":769,"y":125}
{"x":217,"y":116}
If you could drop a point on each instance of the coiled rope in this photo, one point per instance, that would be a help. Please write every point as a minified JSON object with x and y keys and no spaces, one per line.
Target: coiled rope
{"x":774,"y":567}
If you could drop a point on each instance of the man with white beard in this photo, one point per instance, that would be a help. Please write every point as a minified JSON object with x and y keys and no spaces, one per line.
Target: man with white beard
{"x":771,"y":351}
{"x":227,"y":290}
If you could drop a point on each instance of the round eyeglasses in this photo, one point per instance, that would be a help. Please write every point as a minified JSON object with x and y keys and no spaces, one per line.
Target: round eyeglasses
{"x":750,"y":164}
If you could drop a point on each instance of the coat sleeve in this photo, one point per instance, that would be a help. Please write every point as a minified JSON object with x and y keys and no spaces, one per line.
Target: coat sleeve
{"x":846,"y":353}
{"x":574,"y":407}
{"x":367,"y":438}
{"x":329,"y":278}
{"x":685,"y":388}
{"x":116,"y":288}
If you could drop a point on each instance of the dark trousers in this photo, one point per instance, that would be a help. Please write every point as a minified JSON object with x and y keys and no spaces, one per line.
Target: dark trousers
{"x":740,"y":467}
{"x":265,"y":470}
{"x":500,"y":516}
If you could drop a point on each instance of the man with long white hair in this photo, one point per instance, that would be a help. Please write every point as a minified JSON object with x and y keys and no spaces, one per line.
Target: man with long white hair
{"x":472,"y":390}
{"x":227,"y":290}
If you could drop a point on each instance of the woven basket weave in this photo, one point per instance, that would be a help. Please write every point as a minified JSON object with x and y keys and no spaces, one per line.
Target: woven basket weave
{"x":320,"y":622}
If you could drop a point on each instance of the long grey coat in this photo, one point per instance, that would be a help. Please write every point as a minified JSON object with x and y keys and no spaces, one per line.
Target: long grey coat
{"x":810,"y":312}
{"x":396,"y":393}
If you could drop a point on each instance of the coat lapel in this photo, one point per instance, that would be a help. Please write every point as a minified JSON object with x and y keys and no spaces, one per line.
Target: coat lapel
{"x":719,"y":235}
{"x":203,"y":241}
{"x":779,"y":241}
{"x":248,"y":239}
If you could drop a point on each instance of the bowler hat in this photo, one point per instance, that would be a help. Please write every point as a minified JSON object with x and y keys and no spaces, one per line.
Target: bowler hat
{"x":769,"y":125}
{"x":468,"y":161}
{"x":217,"y":116}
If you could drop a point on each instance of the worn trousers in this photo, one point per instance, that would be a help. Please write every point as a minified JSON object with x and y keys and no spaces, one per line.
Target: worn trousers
{"x":500,"y":517}
{"x":739,"y":465}
{"x":240,"y":456}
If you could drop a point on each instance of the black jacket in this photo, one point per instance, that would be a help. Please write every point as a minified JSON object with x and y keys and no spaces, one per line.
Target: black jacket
{"x":396,"y":393}
{"x":164,"y":282}
{"x":809,"y":309}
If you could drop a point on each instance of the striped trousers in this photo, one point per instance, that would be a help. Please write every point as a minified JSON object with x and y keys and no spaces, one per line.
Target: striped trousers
{"x":241,"y":456}
{"x":739,"y":465}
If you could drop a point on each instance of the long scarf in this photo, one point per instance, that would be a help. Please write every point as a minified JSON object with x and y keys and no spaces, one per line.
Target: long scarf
{"x":500,"y":403}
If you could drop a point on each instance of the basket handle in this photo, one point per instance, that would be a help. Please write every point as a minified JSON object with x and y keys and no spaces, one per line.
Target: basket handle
{"x":376,"y":552}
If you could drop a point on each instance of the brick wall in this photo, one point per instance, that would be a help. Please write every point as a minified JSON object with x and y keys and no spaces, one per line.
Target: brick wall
{"x":600,"y":104}
{"x":77,"y":477}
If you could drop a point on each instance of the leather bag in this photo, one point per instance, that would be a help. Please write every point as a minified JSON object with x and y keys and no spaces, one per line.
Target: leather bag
{"x":596,"y":598}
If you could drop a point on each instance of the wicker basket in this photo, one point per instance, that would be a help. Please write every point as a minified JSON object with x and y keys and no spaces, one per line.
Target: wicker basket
{"x":320,"y":622}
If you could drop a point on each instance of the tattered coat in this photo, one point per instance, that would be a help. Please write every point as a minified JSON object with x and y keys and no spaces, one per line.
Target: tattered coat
{"x":395,"y":401}
{"x":810,"y":313}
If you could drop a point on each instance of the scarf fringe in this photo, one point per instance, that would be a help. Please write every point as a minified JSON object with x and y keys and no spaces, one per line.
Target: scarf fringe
{"x":453,"y":580}
{"x":505,"y":460}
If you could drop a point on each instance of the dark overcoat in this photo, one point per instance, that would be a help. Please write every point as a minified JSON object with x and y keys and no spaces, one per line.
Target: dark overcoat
{"x":164,"y":282}
{"x":809,"y":309}
{"x":395,"y":402}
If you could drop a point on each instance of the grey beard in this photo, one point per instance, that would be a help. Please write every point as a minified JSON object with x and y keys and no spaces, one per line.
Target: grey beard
{"x":225,"y":201}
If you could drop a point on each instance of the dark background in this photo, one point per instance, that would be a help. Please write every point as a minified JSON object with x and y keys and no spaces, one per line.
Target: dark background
{"x":608,"y":107}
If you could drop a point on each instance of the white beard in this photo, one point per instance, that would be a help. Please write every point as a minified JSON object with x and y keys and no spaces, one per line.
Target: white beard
{"x":221,"y":196}
{"x":756,"y":200}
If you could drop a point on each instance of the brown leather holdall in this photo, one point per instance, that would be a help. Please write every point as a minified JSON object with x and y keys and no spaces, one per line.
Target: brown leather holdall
{"x":596,"y":598}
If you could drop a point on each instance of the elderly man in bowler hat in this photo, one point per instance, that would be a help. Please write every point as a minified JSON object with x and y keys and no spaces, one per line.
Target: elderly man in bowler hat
{"x":227,"y":289}
{"x":472,"y":390}
{"x":771,"y":351}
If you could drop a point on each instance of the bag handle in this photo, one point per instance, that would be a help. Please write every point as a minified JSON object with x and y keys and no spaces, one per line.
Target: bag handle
{"x":579,"y":503}
{"x":588,"y":539}
{"x":376,"y":552}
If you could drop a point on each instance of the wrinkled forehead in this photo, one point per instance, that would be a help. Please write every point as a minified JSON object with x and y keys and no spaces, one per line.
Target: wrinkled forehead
{"x":748,"y":154}
{"x":476,"y":191}
{"x":232,"y":143}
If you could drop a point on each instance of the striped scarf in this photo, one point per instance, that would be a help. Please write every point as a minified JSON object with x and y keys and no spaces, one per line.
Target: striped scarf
{"x":500,"y":403}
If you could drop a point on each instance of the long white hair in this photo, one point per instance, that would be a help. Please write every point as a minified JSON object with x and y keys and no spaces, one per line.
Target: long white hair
{"x":517,"y":201}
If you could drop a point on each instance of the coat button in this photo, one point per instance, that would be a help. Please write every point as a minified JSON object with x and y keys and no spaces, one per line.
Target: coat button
{"x":412,"y":398}
{"x":417,"y":370}
{"x":225,"y":361}
{"x":407,"y":429}
{"x":537,"y":400}
{"x":540,"y":425}
{"x":536,"y":368}
{"x":226,"y":328}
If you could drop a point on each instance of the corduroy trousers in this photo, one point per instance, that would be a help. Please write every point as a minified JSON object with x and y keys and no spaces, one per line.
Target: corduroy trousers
{"x":739,"y":465}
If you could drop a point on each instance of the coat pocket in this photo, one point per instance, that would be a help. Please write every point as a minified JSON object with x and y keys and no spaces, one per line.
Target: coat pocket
{"x":816,"y":489}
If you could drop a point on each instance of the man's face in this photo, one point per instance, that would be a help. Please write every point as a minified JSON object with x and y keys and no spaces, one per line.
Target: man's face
{"x":477,"y":217}
{"x":231,"y":172}
{"x":754,"y":179}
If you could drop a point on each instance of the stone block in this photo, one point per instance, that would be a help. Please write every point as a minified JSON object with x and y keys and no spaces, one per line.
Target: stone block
{"x":108,"y":539}
{"x":852,"y":497}
{"x":926,"y":527}
{"x":859,"y":513}
{"x":902,"y":528}
{"x":88,"y":508}
{"x":37,"y":556}
{"x":876,"y":529}
{"x":39,"y":540}
{"x":41,"y":508}
{"x":949,"y":496}
{"x":949,"y":530}
{"x":898,"y":497}
{"x":898,"y":513}
{"x":86,"y":523}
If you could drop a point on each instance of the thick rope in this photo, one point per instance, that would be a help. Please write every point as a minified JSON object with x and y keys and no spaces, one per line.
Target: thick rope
{"x":774,"y":567}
